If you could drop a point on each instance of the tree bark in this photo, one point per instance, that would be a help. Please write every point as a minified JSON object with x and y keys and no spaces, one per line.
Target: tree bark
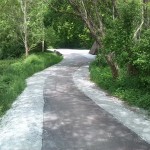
{"x":138,"y":30}
{"x":95,"y":26}
{"x":43,"y":34}
{"x":146,"y":14}
{"x":43,"y":46}
{"x":114,"y":9}
{"x":113,"y":65}
{"x":132,"y":70}
{"x":25,"y":26}
{"x":94,"y":49}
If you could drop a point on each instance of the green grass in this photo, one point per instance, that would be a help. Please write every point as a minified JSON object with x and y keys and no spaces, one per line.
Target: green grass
{"x":126,"y":88}
{"x":14,"y":72}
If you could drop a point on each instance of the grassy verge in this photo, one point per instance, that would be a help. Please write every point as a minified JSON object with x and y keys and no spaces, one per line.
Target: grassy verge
{"x":125,"y":88}
{"x":14,"y":72}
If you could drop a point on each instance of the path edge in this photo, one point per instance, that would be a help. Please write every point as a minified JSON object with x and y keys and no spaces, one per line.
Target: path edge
{"x":137,"y":123}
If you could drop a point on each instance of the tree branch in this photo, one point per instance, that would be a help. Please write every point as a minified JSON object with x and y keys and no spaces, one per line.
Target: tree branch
{"x":140,"y":26}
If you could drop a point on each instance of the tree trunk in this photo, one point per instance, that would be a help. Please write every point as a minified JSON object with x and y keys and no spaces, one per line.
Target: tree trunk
{"x":26,"y":46}
{"x":43,"y":35}
{"x":115,"y":13}
{"x":95,"y":48}
{"x":113,"y":65}
{"x":131,"y":69}
{"x":24,"y":8}
{"x":146,"y":14}
{"x":95,"y":26}
{"x":43,"y":46}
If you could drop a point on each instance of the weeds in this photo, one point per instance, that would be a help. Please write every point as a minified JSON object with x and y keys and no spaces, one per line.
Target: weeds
{"x":126,"y":88}
{"x":14,"y":72}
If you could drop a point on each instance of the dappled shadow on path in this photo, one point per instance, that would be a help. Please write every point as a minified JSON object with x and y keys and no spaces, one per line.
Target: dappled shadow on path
{"x":72,"y":121}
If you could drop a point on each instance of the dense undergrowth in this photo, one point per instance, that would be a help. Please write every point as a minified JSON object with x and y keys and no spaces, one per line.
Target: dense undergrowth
{"x":14,"y":72}
{"x":128,"y":89}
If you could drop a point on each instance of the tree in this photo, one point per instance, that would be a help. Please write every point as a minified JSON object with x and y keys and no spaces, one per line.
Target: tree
{"x":23,"y":4}
{"x":111,"y":16}
{"x":95,"y":14}
{"x":90,"y":13}
{"x":69,"y":28}
{"x":33,"y":26}
{"x":10,"y":39}
{"x":21,"y":26}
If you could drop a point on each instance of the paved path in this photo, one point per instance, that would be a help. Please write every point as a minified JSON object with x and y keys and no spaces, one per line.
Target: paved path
{"x":60,"y":109}
{"x":72,"y":121}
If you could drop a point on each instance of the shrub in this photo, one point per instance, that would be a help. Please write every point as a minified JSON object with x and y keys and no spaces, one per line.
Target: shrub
{"x":127,"y":88}
{"x":38,"y":47}
{"x":142,"y":58}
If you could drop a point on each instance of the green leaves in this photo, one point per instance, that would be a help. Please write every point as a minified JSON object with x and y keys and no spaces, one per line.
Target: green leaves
{"x":12,"y":26}
{"x":69,"y":31}
{"x":126,"y":88}
{"x":14,"y":72}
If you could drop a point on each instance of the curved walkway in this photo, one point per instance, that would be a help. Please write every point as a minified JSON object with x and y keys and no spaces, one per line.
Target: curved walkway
{"x":67,"y":117}
{"x":73,"y":121}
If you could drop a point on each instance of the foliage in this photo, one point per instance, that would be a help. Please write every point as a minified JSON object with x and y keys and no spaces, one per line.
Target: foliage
{"x":142,"y":58}
{"x":38,"y":47}
{"x":51,"y":37}
{"x":70,"y":30}
{"x":129,"y":38}
{"x":14,"y":72}
{"x":127,"y":88}
{"x":100,"y":61}
{"x":119,"y":36}
{"x":10,"y":48}
{"x":12,"y":26}
{"x":11,"y":45}
{"x":121,"y":28}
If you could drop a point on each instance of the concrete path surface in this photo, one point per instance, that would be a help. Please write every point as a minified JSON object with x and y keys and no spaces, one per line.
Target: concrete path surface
{"x":72,"y":121}
{"x":62,"y":110}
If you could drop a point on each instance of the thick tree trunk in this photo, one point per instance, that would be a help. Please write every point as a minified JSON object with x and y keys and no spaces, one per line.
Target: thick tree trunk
{"x":113,"y":65}
{"x":95,"y":48}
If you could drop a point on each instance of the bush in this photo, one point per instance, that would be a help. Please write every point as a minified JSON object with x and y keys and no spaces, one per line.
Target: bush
{"x":100,"y":60}
{"x":11,"y":49}
{"x":127,"y":88}
{"x":11,"y":46}
{"x":38,"y":47}
{"x":142,"y":58}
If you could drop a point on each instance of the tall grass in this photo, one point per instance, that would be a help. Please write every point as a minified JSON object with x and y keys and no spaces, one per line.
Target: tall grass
{"x":126,"y":88}
{"x":14,"y":72}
